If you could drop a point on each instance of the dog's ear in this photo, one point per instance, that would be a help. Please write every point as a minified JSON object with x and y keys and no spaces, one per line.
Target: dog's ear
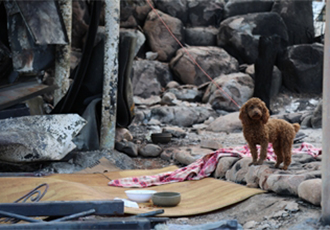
{"x":265,"y":113}
{"x":243,"y":116}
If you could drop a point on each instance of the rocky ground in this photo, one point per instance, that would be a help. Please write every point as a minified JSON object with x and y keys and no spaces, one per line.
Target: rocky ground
{"x":266,"y":211}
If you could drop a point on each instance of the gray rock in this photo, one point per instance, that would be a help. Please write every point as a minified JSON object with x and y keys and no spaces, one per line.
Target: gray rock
{"x":177,"y":9}
{"x":298,"y":18}
{"x":287,"y":184}
{"x":205,"y":13}
{"x":151,"y":55}
{"x":239,"y":35}
{"x":311,"y":195}
{"x":175,"y":131}
{"x":133,"y":13}
{"x":184,"y":157}
{"x":316,"y":119}
{"x":159,"y":39}
{"x":38,"y":138}
{"x":169,"y":98}
{"x":172,"y":84}
{"x":127,"y":147}
{"x":211,"y":144}
{"x":238,"y":171}
{"x":293,"y":117}
{"x":306,"y":122}
{"x":239,"y":7}
{"x":185,"y":93}
{"x":224,"y":164}
{"x":218,"y":62}
{"x":181,"y":116}
{"x":238,"y":86}
{"x":201,"y":36}
{"x":150,"y":150}
{"x":302,"y":68}
{"x":229,"y":123}
{"x":149,"y":77}
{"x":123,"y":133}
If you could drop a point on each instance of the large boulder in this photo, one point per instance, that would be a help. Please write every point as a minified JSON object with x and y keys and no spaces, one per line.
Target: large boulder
{"x":205,"y":13}
{"x":214,"y":60}
{"x":229,"y":123}
{"x":302,"y":68}
{"x":181,"y":116}
{"x":149,"y":77}
{"x":201,"y":36}
{"x":159,"y":38}
{"x":298,"y":17}
{"x":239,"y":35}
{"x":177,"y":9}
{"x":240,"y":7}
{"x":238,"y":86}
{"x":133,"y":13}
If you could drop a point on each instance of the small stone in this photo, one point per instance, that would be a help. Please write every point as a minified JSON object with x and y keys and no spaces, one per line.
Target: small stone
{"x":250,"y":225}
{"x":168,"y":153}
{"x":150,"y":150}
{"x":211,"y":144}
{"x":168,"y":99}
{"x":175,"y":131}
{"x":127,"y":147}
{"x":151,"y":55}
{"x":172,"y":84}
{"x":123,"y":133}
{"x":292,"y":207}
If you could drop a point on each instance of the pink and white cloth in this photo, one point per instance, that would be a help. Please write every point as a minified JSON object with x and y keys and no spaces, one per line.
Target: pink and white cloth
{"x":204,"y":166}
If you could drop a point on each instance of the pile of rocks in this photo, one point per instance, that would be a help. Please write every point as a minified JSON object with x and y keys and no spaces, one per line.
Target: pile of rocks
{"x":172,"y":94}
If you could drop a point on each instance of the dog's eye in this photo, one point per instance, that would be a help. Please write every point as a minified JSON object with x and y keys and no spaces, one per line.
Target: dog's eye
{"x":252,"y":107}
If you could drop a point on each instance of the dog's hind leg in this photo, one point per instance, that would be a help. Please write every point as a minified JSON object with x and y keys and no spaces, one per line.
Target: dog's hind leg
{"x":279,"y":153}
{"x":287,"y":156}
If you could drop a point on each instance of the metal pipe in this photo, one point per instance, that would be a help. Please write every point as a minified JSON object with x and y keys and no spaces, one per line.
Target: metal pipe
{"x":74,"y":216}
{"x":110,"y":82}
{"x":20,"y":217}
{"x":326,"y":124}
{"x":63,"y":52}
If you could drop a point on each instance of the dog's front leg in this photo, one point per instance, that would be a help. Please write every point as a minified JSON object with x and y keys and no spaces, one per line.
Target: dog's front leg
{"x":254,"y":153}
{"x":263,"y":152}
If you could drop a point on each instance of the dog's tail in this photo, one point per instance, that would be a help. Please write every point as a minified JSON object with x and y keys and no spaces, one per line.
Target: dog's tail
{"x":296,"y":127}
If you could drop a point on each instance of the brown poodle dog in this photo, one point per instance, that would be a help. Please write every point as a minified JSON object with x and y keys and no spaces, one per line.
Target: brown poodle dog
{"x":259,"y":129}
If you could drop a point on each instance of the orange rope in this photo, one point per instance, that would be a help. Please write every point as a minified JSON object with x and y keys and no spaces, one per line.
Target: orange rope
{"x":189,"y":55}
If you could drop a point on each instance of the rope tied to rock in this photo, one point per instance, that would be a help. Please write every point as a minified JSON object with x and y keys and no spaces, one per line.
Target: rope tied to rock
{"x":191,"y":57}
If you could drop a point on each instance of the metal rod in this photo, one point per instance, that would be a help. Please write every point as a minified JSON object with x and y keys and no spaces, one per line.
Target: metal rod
{"x":326,"y":124}
{"x":73,"y":216}
{"x":110,"y":82}
{"x":20,"y":217}
{"x":152,"y":213}
{"x":63,"y":52}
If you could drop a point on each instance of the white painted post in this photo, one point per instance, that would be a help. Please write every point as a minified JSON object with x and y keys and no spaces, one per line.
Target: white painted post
{"x":326,"y":124}
{"x":63,"y":52}
{"x":110,"y":82}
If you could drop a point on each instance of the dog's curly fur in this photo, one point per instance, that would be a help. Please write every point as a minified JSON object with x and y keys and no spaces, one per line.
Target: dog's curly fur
{"x":258,"y":129}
